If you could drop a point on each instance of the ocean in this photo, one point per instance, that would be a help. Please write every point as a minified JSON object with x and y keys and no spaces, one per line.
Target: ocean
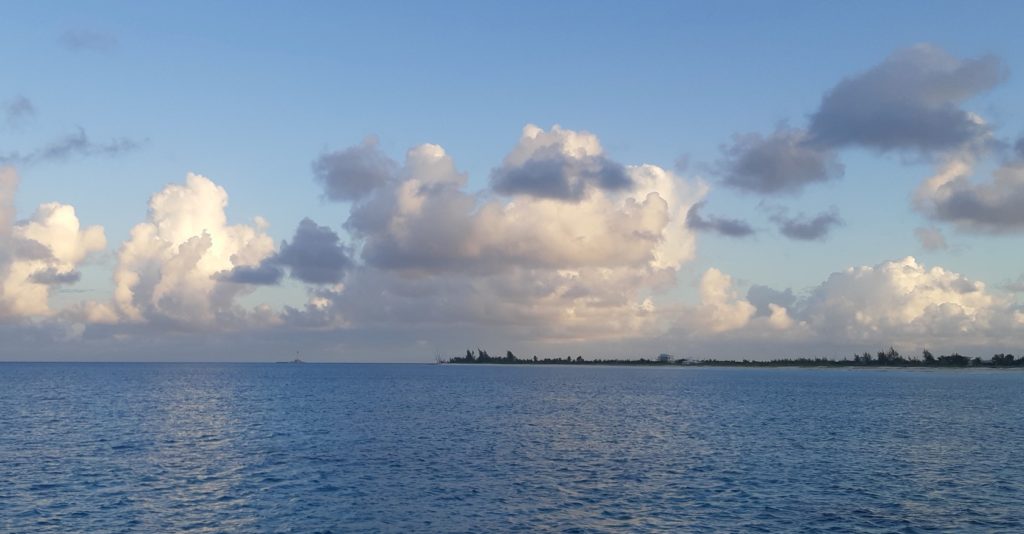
{"x":480,"y":448}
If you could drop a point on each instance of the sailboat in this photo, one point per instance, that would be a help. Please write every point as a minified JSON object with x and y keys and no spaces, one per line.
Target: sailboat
{"x":296,"y":360}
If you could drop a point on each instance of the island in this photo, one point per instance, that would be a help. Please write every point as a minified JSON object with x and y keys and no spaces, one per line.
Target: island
{"x":889,"y":358}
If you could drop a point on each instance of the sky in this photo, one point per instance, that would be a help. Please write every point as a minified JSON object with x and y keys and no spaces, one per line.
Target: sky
{"x":391,"y":181}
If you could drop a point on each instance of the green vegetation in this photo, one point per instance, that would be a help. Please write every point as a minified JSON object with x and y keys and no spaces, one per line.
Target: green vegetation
{"x":481,"y":356}
{"x":889,"y":358}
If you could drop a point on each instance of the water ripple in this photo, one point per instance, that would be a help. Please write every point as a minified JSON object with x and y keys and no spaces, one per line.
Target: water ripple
{"x":338,"y":448}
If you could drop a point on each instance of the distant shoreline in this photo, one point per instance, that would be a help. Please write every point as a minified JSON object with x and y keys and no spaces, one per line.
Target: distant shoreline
{"x":741,"y":365}
{"x":883,"y":359}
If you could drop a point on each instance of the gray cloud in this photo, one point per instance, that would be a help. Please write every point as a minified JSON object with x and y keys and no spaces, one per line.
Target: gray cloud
{"x":88,"y":40}
{"x":931,"y":238}
{"x":558,"y":164}
{"x":805,"y":229}
{"x":551,"y":173}
{"x":354,"y":172}
{"x":79,"y":144}
{"x":30,"y":249}
{"x":445,"y":223}
{"x":711,"y":223}
{"x":963,"y":286}
{"x":315,"y":255}
{"x":909,"y":101}
{"x":762,"y":296}
{"x":75,"y":144}
{"x":17,"y":110}
{"x":781,"y":163}
{"x":991,"y":207}
{"x":264,"y":274}
{"x":51,"y":276}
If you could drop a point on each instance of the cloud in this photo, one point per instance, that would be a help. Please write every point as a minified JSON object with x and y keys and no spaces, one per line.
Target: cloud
{"x":807,"y":229}
{"x":763,"y":297}
{"x":931,"y":238}
{"x":354,"y":172}
{"x":434,"y":254}
{"x":40,"y":252}
{"x":17,"y":110}
{"x":782,"y":163}
{"x":431,"y":224}
{"x":994,"y":206}
{"x":266,"y":273}
{"x":897,"y":302}
{"x":720,"y":308}
{"x":315,"y":255}
{"x":426,"y":253}
{"x":79,"y":144}
{"x":911,"y":101}
{"x":30,"y":249}
{"x":75,"y":144}
{"x":528,"y":305}
{"x":88,"y":40}
{"x":711,"y":223}
{"x":902,"y":301}
{"x":167,"y":270}
{"x":51,"y":276}
{"x":8,"y":186}
{"x":558,"y":164}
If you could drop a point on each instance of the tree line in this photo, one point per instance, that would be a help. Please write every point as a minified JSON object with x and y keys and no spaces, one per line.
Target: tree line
{"x":481,"y":356}
{"x":889,"y":358}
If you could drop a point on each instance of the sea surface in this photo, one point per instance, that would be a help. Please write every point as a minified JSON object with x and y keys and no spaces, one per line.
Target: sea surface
{"x":480,"y":448}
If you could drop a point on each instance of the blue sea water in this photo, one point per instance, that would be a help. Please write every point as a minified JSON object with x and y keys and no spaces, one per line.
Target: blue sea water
{"x":405,"y":448}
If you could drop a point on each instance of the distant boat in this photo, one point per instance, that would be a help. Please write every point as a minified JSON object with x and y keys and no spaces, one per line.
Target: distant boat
{"x":296,"y":360}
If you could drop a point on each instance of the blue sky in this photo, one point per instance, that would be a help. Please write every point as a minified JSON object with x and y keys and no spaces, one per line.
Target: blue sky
{"x":250,"y":96}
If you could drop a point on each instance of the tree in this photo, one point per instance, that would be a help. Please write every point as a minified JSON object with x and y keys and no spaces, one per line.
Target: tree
{"x":954,"y":359}
{"x":928,"y":357}
{"x":1002,"y":360}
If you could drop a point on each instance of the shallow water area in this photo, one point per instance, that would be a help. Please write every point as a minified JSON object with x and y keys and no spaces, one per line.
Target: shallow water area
{"x":317,"y":447}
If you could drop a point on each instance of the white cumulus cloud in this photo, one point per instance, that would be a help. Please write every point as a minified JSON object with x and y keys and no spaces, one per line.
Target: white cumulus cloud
{"x":39,"y":253}
{"x":898,"y":302}
{"x":720,"y":308}
{"x":902,"y":299}
{"x":165,"y":270}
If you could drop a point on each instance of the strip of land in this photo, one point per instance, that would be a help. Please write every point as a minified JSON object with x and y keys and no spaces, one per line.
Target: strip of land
{"x":890,"y":358}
